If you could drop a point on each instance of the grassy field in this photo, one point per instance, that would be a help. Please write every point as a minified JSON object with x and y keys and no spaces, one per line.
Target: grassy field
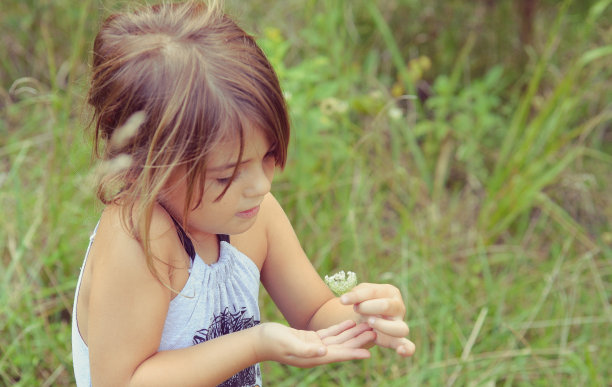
{"x":459,"y":150}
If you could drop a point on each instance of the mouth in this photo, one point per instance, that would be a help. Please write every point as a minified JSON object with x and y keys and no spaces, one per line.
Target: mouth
{"x":248,"y":213}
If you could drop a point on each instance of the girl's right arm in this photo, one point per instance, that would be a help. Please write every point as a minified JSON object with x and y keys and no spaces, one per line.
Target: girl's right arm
{"x":128,"y":307}
{"x":214,"y":361}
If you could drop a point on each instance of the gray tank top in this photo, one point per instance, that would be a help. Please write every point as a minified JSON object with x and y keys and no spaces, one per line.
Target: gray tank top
{"x":217,"y":299}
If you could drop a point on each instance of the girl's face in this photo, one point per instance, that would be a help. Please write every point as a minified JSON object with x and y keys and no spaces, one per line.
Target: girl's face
{"x":236,"y":211}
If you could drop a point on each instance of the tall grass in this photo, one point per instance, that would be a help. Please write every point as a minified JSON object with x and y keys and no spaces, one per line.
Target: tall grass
{"x":486,"y":201}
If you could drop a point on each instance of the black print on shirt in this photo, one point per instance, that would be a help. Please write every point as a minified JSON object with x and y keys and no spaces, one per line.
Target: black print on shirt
{"x":228,"y":322}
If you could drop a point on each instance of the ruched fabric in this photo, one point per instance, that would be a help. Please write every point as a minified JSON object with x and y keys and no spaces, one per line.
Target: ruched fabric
{"x":216,"y":300}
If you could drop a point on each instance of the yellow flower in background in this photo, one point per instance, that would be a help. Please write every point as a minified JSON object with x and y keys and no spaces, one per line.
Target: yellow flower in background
{"x":273,"y":34}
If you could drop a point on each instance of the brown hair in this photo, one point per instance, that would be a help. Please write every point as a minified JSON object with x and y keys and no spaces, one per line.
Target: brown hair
{"x":198,"y":78}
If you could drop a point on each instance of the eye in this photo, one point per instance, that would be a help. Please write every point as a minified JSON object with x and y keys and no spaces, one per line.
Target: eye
{"x":224,"y":180}
{"x":271,"y":153}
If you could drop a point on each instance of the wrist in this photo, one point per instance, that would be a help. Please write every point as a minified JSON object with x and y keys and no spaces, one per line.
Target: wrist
{"x":261,"y":343}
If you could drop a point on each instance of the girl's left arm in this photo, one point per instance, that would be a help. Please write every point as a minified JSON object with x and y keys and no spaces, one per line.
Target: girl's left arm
{"x":305,"y":300}
{"x":291,"y":280}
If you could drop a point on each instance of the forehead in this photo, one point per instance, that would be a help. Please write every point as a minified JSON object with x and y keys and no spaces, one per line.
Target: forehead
{"x":226,"y":152}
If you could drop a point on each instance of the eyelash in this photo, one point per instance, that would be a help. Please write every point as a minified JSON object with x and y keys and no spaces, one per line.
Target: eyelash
{"x":223,"y":181}
{"x":271,"y":153}
{"x":226,"y":180}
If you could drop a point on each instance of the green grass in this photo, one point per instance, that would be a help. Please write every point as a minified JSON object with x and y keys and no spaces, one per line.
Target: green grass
{"x":489,"y":205}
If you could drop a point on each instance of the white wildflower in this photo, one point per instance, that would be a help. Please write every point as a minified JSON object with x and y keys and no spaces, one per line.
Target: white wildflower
{"x":331,"y":106}
{"x":341,"y":282}
{"x":395,"y":113}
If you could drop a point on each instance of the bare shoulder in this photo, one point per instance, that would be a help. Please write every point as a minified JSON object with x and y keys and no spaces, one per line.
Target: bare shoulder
{"x":271,"y":210}
{"x":114,"y":241}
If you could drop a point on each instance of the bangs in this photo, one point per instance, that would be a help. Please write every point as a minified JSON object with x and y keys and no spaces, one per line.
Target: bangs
{"x":274,"y":131}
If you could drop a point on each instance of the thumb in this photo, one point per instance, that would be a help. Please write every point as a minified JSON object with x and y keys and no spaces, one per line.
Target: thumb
{"x":306,"y":346}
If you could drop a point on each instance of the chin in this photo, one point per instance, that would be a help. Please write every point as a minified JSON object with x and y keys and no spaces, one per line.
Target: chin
{"x":241,"y":228}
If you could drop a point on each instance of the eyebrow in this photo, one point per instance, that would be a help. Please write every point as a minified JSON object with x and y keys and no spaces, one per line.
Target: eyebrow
{"x":227,"y":166}
{"x":232,"y":165}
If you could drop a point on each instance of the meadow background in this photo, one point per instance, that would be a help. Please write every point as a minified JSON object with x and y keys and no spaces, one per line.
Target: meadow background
{"x":461,"y":150}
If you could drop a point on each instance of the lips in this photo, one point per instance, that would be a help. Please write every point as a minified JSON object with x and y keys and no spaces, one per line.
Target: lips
{"x":249,"y":213}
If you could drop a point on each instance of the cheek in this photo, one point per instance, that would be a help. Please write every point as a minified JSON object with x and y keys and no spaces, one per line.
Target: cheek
{"x":212,"y":190}
{"x":270,"y":168}
{"x":173,"y":199}
{"x":213,"y":203}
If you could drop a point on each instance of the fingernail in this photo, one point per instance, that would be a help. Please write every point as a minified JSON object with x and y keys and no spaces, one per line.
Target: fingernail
{"x":344,"y":300}
{"x":321,"y":351}
{"x":371,"y":320}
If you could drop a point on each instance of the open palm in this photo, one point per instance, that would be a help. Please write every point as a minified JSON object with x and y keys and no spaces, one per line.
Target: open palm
{"x":306,"y":349}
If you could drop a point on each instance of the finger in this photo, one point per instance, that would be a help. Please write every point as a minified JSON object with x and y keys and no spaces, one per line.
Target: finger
{"x":391,"y":307}
{"x":401,"y":345}
{"x":307,"y":344}
{"x":307,"y":352}
{"x":361,"y":340}
{"x":347,"y":334}
{"x":340,"y":353}
{"x":393,"y":328}
{"x":335,"y":330}
{"x":366,"y":291}
{"x":334,"y":354}
{"x":406,"y":350}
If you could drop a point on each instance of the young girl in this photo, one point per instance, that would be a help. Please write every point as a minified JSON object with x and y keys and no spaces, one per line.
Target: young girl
{"x":168,"y":291}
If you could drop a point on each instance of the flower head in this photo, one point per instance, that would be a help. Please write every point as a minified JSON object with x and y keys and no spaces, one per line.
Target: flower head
{"x":341,"y":282}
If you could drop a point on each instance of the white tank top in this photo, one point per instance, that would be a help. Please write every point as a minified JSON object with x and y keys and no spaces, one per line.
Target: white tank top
{"x":217,"y":299}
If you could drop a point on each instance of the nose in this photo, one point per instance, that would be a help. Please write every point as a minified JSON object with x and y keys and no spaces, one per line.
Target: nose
{"x":261,"y":181}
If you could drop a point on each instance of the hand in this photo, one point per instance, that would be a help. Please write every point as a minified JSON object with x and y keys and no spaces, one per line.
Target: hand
{"x":306,"y":349}
{"x":383,"y":309}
